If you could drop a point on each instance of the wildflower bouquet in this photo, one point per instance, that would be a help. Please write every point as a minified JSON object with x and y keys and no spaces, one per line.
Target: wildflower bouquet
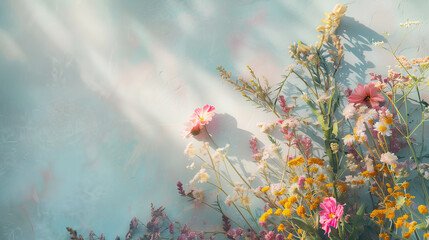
{"x":354,"y":184}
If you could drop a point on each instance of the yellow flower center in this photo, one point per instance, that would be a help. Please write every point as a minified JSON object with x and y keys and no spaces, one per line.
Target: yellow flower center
{"x":382,"y":128}
{"x":332,"y":215}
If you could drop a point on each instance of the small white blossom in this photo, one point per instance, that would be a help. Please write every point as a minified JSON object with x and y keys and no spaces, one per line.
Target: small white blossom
{"x":190,"y":150}
{"x":349,"y":140}
{"x":349,"y":111}
{"x":369,"y":164}
{"x":408,"y":23}
{"x":378,"y":44}
{"x":202,"y":176}
{"x":191,"y":166}
{"x":228,"y":201}
{"x":266,"y":128}
{"x":351,"y":165}
{"x":335,"y":147}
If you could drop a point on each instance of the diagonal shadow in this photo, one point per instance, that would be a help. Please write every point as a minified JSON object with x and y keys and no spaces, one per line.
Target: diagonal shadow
{"x":357,"y":39}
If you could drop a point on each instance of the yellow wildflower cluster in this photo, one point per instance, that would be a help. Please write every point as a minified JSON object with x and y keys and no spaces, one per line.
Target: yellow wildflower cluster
{"x":318,"y":161}
{"x":411,"y":229}
{"x":264,"y":216}
{"x":384,"y":236}
{"x":423,"y":209}
{"x":296,"y":162}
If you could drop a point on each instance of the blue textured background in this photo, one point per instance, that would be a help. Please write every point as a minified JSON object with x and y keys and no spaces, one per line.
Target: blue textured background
{"x":94,"y":94}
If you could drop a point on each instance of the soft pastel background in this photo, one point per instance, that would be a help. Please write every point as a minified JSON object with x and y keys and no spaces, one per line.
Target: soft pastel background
{"x":94,"y":94}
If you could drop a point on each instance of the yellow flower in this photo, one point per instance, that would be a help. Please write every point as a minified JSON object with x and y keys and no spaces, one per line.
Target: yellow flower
{"x":309,"y":181}
{"x":288,"y":204}
{"x":278,"y":212}
{"x":321,"y":178}
{"x":287,"y":212}
{"x":315,"y":204}
{"x":408,"y":202}
{"x":281,"y":227}
{"x":423,"y":209}
{"x":390,"y":214}
{"x":407,"y":235}
{"x":377,"y":213}
{"x":290,"y":236}
{"x":317,"y":161}
{"x":292,"y":199}
{"x":269,"y":211}
{"x":400,"y":221}
{"x":387,"y":120}
{"x":426,"y":235}
{"x":263,"y":218}
{"x":296,"y":161}
{"x":264,"y":189}
{"x":384,"y":236}
{"x":301,"y":211}
{"x":295,"y":179}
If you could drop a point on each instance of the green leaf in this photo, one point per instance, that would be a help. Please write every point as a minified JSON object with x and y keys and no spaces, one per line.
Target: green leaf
{"x":272,"y":140}
{"x":322,"y":122}
{"x":303,"y":225}
{"x":335,"y":128}
{"x":313,"y":108}
{"x":357,"y":221}
{"x":421,"y":226}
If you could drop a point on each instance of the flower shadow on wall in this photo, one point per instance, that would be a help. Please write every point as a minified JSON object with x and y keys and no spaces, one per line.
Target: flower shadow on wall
{"x":357,"y":39}
{"x":223,"y":130}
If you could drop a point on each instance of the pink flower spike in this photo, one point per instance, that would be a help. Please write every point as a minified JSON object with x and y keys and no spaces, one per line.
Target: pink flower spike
{"x":366,"y":95}
{"x":330,"y":214}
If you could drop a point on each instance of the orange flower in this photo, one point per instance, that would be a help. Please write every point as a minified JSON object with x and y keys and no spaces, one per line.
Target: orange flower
{"x":281,"y":227}
{"x":317,"y":161}
{"x":384,"y":236}
{"x":301,"y":211}
{"x":407,"y":235}
{"x":292,"y":199}
{"x":287,"y":212}
{"x":423,"y":209}
{"x":296,"y":162}
{"x":321,"y":178}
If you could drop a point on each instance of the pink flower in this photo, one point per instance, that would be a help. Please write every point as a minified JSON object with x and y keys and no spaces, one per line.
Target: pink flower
{"x":199,"y":118}
{"x":204,"y":115}
{"x":301,"y":181}
{"x":366,"y":95}
{"x":331,"y":214}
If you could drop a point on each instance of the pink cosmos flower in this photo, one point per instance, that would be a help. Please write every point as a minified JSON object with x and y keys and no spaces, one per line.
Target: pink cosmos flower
{"x":199,"y":118}
{"x":204,"y":115}
{"x":331,"y":214}
{"x":366,"y":95}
